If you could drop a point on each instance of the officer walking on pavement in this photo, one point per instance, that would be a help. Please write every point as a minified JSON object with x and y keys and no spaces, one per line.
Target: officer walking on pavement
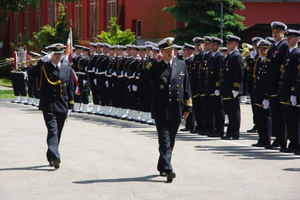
{"x":56,"y":97}
{"x":171,"y":99}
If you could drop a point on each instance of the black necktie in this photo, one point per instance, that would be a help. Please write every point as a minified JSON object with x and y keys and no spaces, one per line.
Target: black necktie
{"x":169,"y":66}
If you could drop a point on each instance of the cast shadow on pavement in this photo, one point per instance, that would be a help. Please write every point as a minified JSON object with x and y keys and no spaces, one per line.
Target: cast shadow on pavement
{"x":32,"y":168}
{"x":122,"y":180}
{"x":247,"y":153}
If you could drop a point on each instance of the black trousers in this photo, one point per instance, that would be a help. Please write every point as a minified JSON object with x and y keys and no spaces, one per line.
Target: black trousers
{"x":218,"y":114}
{"x":278,"y":124}
{"x":167,"y":130}
{"x":190,"y":121}
{"x":94,"y":89}
{"x":30,"y":86}
{"x":207,"y":114}
{"x":263,"y":125}
{"x":232,"y":109}
{"x":54,"y":123}
{"x":197,"y":110}
{"x":19,"y":87}
{"x":254,"y":110}
{"x":292,"y":126}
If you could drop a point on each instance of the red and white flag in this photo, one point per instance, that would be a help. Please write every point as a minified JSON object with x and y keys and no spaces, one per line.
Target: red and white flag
{"x":75,"y":77}
{"x":69,"y":48}
{"x":16,"y":62}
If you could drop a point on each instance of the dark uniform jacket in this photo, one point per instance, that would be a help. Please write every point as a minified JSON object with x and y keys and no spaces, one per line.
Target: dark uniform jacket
{"x":257,"y":83}
{"x":275,"y":57}
{"x":56,"y":86}
{"x":171,"y":89}
{"x":194,"y":71}
{"x":212,"y":76}
{"x":288,"y":75}
{"x":202,"y":72}
{"x":231,"y":74}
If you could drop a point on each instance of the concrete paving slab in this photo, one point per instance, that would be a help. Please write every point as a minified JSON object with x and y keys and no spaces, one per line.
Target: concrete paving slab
{"x":106,"y":158}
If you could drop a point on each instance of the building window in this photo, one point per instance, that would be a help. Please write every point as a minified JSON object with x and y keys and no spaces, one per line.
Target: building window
{"x":94,"y":18}
{"x":51,"y":13}
{"x":138,"y":29}
{"x":16,"y":26}
{"x":78,"y":19}
{"x":111,"y":9}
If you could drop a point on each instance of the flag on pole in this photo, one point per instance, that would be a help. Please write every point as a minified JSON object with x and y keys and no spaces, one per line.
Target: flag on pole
{"x":75,"y":77}
{"x":16,"y":60}
{"x":69,"y":48}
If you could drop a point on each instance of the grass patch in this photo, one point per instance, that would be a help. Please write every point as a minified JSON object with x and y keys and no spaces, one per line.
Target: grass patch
{"x":7,"y":94}
{"x":5,"y":81}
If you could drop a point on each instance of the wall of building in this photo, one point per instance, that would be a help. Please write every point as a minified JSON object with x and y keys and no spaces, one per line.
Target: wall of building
{"x":266,"y":12}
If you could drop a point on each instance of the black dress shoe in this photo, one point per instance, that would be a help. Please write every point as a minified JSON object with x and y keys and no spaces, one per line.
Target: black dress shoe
{"x":253,"y":130}
{"x":164,"y":174}
{"x":51,"y":163}
{"x":230,"y":137}
{"x":56,"y":163}
{"x":259,"y":145}
{"x":170,"y":176}
{"x":202,"y":133}
{"x":184,"y":129}
{"x":273,"y":146}
{"x":288,"y":150}
{"x":214,"y":135}
{"x":297,"y":153}
{"x":194,"y":131}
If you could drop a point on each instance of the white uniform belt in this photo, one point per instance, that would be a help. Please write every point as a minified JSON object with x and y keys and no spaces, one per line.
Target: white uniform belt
{"x":100,"y":73}
{"x":108,"y":75}
{"x":80,"y":73}
{"x":137,"y":77}
{"x":120,"y":76}
{"x":91,"y":71}
{"x":130,"y":77}
{"x":18,"y":72}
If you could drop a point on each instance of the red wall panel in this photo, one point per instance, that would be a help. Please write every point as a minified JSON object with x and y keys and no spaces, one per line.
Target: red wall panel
{"x":266,"y":12}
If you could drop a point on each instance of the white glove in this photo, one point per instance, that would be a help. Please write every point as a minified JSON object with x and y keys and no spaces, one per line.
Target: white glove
{"x":105,"y":72}
{"x":65,"y":62}
{"x":73,"y":55}
{"x":134,"y":88}
{"x":126,"y":74}
{"x":69,"y":112}
{"x":217,"y":92}
{"x":133,"y":74}
{"x":106,"y":83}
{"x":95,"y":81}
{"x":129,"y":88}
{"x":265,"y":104}
{"x":112,"y":85}
{"x":293,"y":100}
{"x":85,"y":68}
{"x":93,"y":69}
{"x":84,"y":82}
{"x":47,"y":57}
{"x":235,"y":93}
{"x":97,"y":70}
{"x":121,"y":73}
{"x":115,"y":74}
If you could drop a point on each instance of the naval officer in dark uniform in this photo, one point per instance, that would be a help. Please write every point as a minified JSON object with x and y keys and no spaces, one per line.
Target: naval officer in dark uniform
{"x":171,"y":100}
{"x":56,"y":97}
{"x":230,"y":84}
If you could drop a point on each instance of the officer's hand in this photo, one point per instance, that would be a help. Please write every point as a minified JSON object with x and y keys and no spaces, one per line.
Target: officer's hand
{"x":105,"y":72}
{"x":293,"y":100}
{"x":115,"y":74}
{"x":129,"y":88}
{"x":106,"y":83}
{"x":217,"y":92}
{"x":84,"y":82}
{"x":73,"y":55}
{"x":95,"y":81}
{"x":235,"y":93}
{"x":47,"y":57}
{"x":185,"y":115}
{"x":265,"y":104}
{"x":134,"y":88}
{"x":159,"y":57}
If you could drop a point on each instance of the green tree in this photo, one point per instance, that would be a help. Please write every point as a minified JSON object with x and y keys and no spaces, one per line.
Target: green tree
{"x":49,"y":35}
{"x":203,"y":17}
{"x":116,"y":35}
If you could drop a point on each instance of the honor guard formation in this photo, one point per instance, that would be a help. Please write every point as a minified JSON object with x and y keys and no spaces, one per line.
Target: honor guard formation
{"x":161,"y":83}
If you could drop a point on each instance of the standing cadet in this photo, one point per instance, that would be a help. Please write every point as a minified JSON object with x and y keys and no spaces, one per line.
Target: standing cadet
{"x":212,"y":79}
{"x":250,"y":61}
{"x":286,"y":89}
{"x":207,"y":114}
{"x":171,"y":99}
{"x":263,"y":120}
{"x":91,"y":75}
{"x":193,"y":74}
{"x":271,"y":75}
{"x":57,"y":97}
{"x":188,"y":59}
{"x":230,"y":83}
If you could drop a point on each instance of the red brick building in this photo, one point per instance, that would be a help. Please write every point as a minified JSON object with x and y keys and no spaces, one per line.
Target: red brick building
{"x":145,"y":18}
